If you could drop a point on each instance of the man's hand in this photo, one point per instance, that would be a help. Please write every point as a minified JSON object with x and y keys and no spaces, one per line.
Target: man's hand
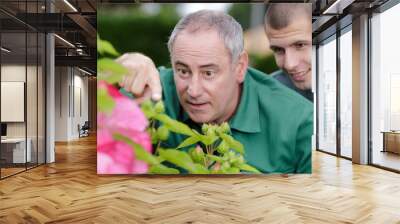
{"x":143,"y":79}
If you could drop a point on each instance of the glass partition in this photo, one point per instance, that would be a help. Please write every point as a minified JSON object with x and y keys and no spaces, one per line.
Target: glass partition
{"x":14,"y":153}
{"x":22,"y":89}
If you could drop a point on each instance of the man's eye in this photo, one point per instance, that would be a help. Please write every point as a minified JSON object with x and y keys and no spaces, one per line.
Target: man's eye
{"x":208,"y":74}
{"x":278,"y":50}
{"x":182,"y":72}
{"x":300,"y":45}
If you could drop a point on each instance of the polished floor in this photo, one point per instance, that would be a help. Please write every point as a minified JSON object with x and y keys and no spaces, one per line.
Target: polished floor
{"x":387,"y":159}
{"x":70,"y":191}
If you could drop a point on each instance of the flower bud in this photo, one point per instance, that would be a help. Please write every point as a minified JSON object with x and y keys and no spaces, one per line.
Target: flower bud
{"x":225,"y":165}
{"x":197,"y":154}
{"x":211,"y":131}
{"x":162,"y":133}
{"x":225,"y":127}
{"x":159,"y":107}
{"x":147,"y":108}
{"x":238,"y":161}
{"x":222,"y":147}
{"x":204,"y":128}
{"x":146,"y":105}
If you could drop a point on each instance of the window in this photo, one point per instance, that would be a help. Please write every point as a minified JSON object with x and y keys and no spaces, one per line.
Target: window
{"x":346,"y":93}
{"x":385,"y":88}
{"x":327,"y":96}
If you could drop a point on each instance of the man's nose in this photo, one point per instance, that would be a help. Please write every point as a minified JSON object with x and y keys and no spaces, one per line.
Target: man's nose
{"x":291,"y":61}
{"x":195,"y":87}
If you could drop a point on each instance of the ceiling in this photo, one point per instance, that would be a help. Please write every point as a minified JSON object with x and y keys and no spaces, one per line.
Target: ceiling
{"x":72,"y":20}
{"x":332,"y":15}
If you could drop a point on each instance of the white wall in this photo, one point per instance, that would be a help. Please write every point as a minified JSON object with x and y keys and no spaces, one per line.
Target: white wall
{"x":62,"y":80}
{"x":71,"y":94}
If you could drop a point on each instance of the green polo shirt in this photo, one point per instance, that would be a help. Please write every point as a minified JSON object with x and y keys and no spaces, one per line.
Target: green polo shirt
{"x":273,"y":123}
{"x":283,"y":78}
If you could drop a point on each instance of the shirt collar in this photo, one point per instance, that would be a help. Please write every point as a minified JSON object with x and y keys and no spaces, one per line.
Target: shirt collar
{"x":247,"y":116}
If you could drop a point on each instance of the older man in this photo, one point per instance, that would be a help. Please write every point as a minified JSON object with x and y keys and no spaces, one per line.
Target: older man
{"x":288,"y":28}
{"x":210,"y":82}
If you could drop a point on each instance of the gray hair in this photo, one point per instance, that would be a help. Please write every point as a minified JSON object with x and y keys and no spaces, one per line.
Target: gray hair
{"x":229,"y":30}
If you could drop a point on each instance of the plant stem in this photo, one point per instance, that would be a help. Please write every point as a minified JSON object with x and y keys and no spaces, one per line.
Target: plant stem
{"x":158,"y":146}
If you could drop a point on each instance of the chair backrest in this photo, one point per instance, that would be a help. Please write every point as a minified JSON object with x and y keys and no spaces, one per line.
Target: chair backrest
{"x":86,"y":125}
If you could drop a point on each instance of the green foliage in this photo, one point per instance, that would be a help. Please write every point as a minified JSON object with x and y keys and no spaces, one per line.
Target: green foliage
{"x":232,"y":143}
{"x":242,"y":13}
{"x":104,"y":47}
{"x":173,"y":125}
{"x":104,"y":101}
{"x":132,"y":30}
{"x":110,"y":71}
{"x":182,"y":159}
{"x":162,"y":133}
{"x":189,"y":141}
{"x":161,"y":169}
{"x":265,"y":64}
{"x":214,"y":138}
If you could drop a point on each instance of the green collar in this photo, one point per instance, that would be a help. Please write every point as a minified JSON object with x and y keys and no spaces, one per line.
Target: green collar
{"x":247,"y":116}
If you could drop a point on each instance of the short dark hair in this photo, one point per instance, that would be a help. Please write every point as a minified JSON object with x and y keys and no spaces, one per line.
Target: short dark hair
{"x":280,"y":15}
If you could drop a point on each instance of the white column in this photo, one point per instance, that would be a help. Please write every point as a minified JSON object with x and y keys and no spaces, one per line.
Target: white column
{"x":50,"y":93}
{"x":360,"y":90}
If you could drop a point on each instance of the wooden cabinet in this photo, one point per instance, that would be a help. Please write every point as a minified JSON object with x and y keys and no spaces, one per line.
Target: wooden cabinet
{"x":391,"y":142}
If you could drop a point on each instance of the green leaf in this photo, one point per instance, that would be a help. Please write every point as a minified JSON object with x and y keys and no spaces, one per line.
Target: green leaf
{"x":159,"y":107}
{"x":208,"y":140}
{"x":197,"y":154}
{"x":215,"y":158}
{"x":188,"y":141}
{"x":246,"y":167}
{"x":140,"y":152}
{"x":148,"y":109}
{"x":234,"y":144}
{"x":104,"y":101}
{"x":174,"y":126}
{"x":232,"y":170}
{"x":222,"y":147}
{"x":105,"y":47}
{"x":182,"y":159}
{"x":200,"y":169}
{"x":110,"y":71}
{"x":161,"y":169}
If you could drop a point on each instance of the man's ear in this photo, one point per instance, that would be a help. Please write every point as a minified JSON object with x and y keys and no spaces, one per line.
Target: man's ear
{"x":241,"y":66}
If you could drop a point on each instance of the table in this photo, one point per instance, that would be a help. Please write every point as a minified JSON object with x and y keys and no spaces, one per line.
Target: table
{"x":391,"y":141}
{"x":17,"y":150}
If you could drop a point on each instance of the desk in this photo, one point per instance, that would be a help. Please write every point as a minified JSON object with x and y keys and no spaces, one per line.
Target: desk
{"x":17,"y":149}
{"x":391,"y":141}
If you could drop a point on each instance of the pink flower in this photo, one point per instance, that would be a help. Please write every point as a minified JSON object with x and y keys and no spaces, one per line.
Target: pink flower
{"x":117,"y":157}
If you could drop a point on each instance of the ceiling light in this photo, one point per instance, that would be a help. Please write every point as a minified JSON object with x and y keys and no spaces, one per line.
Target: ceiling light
{"x":5,"y":50}
{"x":70,"y":5}
{"x":64,"y":40}
{"x":337,"y":7}
{"x":84,"y":71}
